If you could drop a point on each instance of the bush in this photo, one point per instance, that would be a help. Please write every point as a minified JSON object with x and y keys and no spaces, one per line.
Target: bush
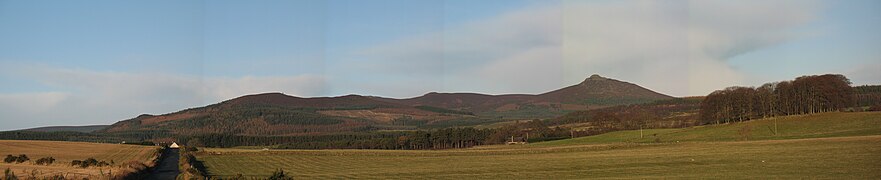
{"x":132,"y":170}
{"x":875,"y":108}
{"x":89,"y":162}
{"x":9,"y":159}
{"x":279,"y":175}
{"x":17,"y":159}
{"x":57,"y":177}
{"x":45,"y":161}
{"x":8,"y":174}
{"x":190,"y":166}
{"x":22,"y":158}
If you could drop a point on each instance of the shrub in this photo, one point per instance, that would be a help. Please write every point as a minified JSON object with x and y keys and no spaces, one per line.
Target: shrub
{"x":8,"y":174}
{"x":45,"y":161}
{"x":17,"y":159}
{"x":875,"y":108}
{"x":132,"y":170}
{"x":22,"y":158}
{"x":10,"y":159}
{"x":89,"y":162}
{"x":279,"y":175}
{"x":57,"y":177}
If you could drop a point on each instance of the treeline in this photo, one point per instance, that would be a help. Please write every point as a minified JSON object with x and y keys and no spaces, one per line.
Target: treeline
{"x":441,"y":139}
{"x":672,"y":113}
{"x":137,"y":136}
{"x":804,"y":95}
{"x":868,"y":96}
{"x":529,"y":131}
{"x":443,"y":110}
{"x":422,"y":139}
{"x":330,"y":141}
{"x":436,"y":139}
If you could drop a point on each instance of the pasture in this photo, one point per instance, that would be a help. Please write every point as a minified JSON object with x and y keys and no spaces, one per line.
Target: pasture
{"x":832,"y":145}
{"x":791,"y":127}
{"x":65,"y":152}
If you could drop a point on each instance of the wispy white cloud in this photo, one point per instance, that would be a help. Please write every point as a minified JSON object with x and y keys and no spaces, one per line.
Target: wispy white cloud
{"x":31,"y":102}
{"x":82,"y":96}
{"x":676,"y":47}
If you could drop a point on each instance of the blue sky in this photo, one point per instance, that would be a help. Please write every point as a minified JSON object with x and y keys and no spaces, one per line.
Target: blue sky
{"x":97,"y":62}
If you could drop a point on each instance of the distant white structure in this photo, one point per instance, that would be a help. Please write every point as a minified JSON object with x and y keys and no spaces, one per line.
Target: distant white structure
{"x":519,"y":140}
{"x":174,"y":145}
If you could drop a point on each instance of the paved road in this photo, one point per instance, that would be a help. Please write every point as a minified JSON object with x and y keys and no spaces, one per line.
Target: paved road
{"x":168,"y":166}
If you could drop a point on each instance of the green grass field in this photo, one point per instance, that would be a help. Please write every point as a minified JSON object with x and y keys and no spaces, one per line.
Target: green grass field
{"x":832,"y":145}
{"x":792,"y":127}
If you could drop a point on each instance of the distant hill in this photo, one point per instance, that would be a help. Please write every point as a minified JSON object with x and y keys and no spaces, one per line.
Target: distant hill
{"x":280,"y":114}
{"x":85,"y":129}
{"x":593,"y":93}
{"x":601,"y":91}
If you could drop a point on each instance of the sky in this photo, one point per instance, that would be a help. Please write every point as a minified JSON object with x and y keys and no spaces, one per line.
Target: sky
{"x":102,"y":61}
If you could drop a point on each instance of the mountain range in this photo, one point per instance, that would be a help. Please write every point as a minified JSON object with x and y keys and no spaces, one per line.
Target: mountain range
{"x":280,"y":114}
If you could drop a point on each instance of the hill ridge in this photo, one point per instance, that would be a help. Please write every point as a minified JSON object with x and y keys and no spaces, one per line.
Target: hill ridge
{"x":276,"y":113}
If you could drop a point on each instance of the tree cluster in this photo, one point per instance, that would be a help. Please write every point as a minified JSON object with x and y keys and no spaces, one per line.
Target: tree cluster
{"x":442,"y":139}
{"x":443,"y":110}
{"x":437,"y":139}
{"x":672,"y":113}
{"x":530,"y":131}
{"x":804,"y":95}
{"x":868,"y":96}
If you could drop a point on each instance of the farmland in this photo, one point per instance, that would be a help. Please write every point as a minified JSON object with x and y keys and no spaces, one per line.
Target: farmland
{"x":830,"y":145}
{"x":65,"y":152}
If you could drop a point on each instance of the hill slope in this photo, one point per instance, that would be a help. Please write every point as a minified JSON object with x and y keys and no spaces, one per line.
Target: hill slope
{"x":598,"y":90}
{"x":274,"y":114}
{"x":280,"y":114}
{"x":592,"y":93}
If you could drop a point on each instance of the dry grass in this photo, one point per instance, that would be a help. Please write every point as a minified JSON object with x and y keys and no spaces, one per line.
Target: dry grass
{"x":65,"y":152}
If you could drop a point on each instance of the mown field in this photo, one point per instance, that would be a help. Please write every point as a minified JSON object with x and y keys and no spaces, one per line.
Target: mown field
{"x":791,"y":127}
{"x":832,"y":145}
{"x":65,"y":152}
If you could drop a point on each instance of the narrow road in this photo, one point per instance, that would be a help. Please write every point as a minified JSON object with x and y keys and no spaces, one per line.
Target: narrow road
{"x":167,"y":167}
